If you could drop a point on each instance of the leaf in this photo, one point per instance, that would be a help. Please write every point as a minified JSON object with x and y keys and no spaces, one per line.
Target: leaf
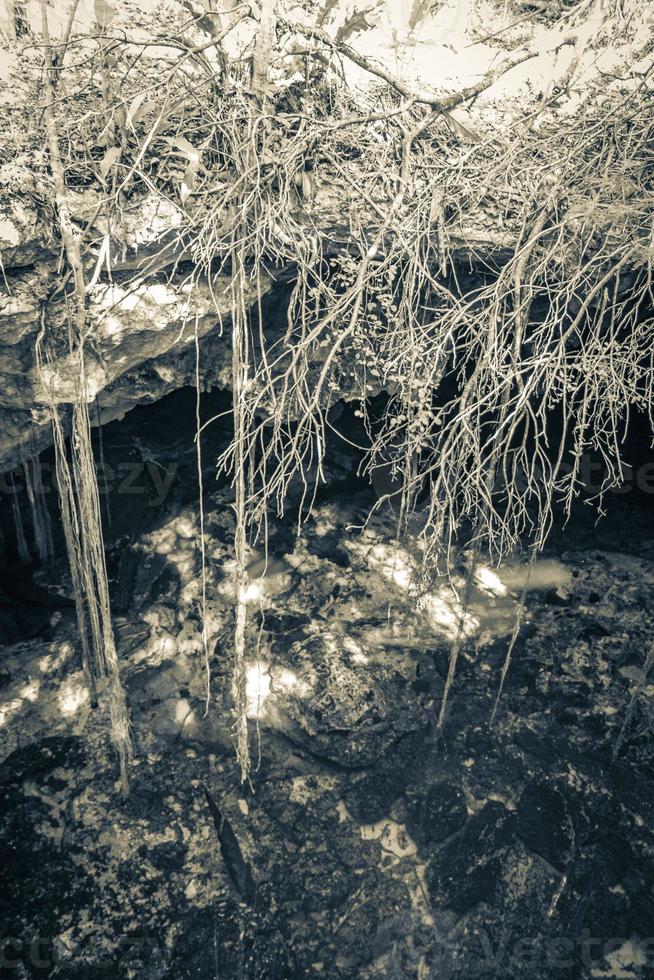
{"x":136,"y":109}
{"x":111,"y":156}
{"x":194,"y":155}
{"x":354,"y":24}
{"x":419,"y":10}
{"x":104,"y":14}
{"x":187,"y":185}
{"x":307,"y":186}
{"x":633,"y":674}
{"x":267,"y":158}
{"x":328,"y":8}
{"x":462,"y":131}
{"x":237,"y":867}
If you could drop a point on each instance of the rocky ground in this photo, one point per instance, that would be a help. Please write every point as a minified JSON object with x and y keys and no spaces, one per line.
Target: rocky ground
{"x":363,"y":847}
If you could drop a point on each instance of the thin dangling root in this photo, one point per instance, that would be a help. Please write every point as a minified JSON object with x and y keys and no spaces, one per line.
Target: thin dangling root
{"x":21,"y":541}
{"x":41,"y":524}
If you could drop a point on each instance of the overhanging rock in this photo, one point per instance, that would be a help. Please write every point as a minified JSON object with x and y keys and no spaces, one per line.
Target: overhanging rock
{"x":142,"y":346}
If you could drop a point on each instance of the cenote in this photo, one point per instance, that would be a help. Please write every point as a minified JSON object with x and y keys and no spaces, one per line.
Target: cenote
{"x":326,"y":490}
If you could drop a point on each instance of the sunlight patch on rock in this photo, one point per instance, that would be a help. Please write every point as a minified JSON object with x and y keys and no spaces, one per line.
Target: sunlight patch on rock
{"x":72,"y":695}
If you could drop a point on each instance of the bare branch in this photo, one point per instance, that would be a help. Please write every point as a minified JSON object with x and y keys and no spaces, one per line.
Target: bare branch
{"x":441,"y":104}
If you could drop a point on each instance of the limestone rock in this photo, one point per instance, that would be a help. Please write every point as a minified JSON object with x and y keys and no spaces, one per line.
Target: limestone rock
{"x":466,"y":871}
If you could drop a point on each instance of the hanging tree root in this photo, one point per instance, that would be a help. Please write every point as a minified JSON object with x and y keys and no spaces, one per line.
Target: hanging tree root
{"x":498,"y":383}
